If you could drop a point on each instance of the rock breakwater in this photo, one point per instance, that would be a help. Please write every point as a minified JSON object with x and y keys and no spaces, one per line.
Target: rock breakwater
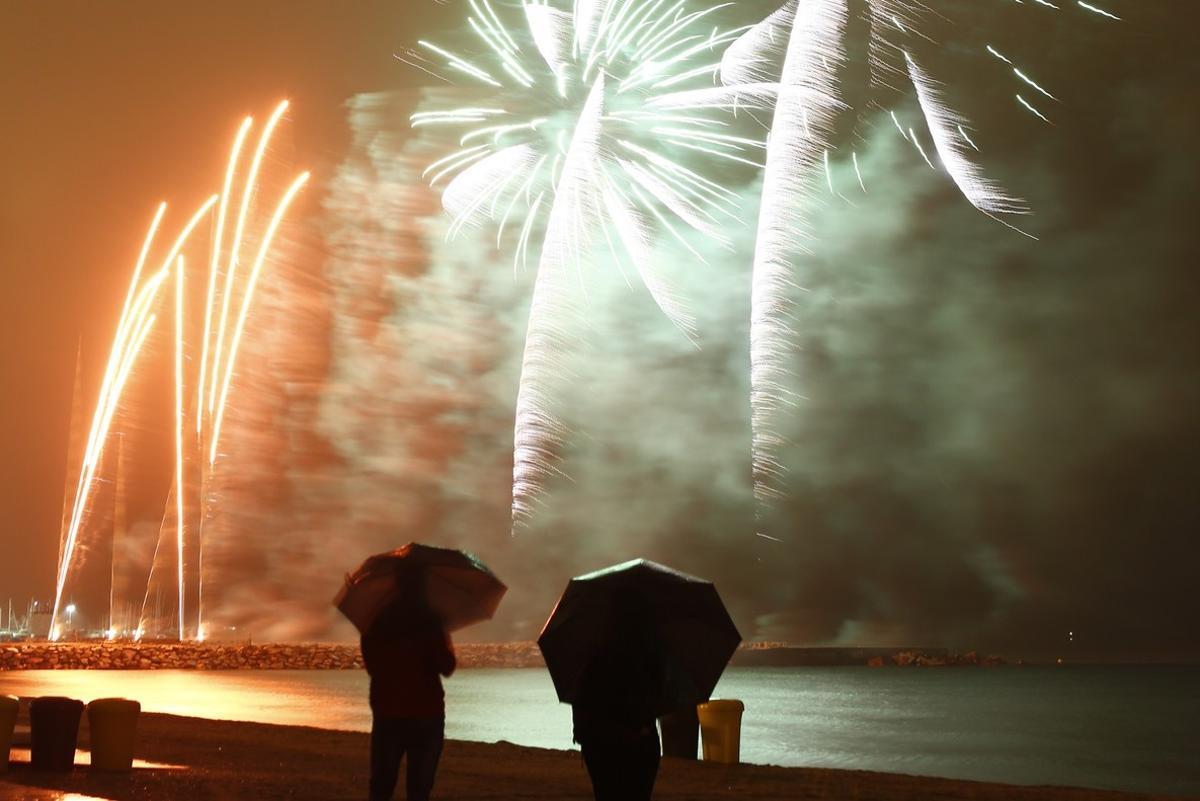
{"x":95,"y":655}
{"x":232,"y":656}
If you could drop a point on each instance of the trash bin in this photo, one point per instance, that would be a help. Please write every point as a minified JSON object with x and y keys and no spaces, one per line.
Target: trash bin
{"x":113,"y":725}
{"x":680,"y":733}
{"x":8,"y":722}
{"x":53,"y":732}
{"x":721,"y":730}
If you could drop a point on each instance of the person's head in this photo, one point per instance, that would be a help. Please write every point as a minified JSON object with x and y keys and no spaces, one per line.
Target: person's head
{"x":409,"y":610}
{"x":410,"y":588}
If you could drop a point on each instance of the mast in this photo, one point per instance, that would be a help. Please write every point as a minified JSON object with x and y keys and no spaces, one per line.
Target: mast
{"x":118,"y":532}
{"x":74,"y":450}
{"x":157,"y":566}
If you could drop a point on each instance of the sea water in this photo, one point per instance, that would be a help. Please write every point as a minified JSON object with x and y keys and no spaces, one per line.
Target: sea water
{"x":1125,"y":728}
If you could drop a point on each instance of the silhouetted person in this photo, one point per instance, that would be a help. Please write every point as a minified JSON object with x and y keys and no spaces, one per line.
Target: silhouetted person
{"x":405,"y":652}
{"x":614,"y":713}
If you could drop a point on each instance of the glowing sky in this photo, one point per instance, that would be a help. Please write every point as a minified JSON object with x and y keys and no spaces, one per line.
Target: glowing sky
{"x":1000,"y":439}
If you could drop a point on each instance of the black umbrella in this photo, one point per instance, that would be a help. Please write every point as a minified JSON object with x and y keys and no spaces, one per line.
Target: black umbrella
{"x":680,"y":616}
{"x":459,"y":588}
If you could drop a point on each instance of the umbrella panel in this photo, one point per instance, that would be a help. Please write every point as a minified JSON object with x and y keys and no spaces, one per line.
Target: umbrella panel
{"x":461,"y":597}
{"x":363,"y":600}
{"x":685,"y":616}
{"x":458,"y":587}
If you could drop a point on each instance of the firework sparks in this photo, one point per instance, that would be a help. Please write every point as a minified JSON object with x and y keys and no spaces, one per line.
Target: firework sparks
{"x":214,"y":267}
{"x":247,"y":298}
{"x":1097,"y":10}
{"x":646,"y":60}
{"x":597,"y":111}
{"x":235,"y":246}
{"x":134,"y":326}
{"x":808,"y":38}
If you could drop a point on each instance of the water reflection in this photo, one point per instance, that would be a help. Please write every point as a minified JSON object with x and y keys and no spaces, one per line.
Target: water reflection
{"x":284,"y":696}
{"x":481,"y":704}
{"x":1113,"y":728}
{"x":16,"y":793}
{"x":84,"y":758}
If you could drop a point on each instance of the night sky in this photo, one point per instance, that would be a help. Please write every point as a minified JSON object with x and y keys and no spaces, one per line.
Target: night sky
{"x":998,"y":442}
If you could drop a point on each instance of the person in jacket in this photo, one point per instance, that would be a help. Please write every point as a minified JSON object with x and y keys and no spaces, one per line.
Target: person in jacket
{"x":614,"y":714}
{"x":406,"y":652}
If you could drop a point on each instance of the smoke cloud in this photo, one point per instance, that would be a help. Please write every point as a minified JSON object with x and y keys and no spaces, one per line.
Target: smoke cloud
{"x":990,"y":448}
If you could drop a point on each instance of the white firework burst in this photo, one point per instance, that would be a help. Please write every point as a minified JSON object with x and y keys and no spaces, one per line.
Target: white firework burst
{"x":793,"y":60}
{"x":596,"y":112}
{"x":586,"y":140}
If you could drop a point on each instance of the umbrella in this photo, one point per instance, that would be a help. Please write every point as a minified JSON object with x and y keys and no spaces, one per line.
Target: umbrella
{"x":680,"y":615}
{"x":459,"y":588}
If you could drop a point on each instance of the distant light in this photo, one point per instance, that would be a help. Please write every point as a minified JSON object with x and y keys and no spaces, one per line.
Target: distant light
{"x":70,"y":609}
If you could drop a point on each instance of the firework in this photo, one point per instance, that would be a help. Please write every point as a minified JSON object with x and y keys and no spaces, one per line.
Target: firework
{"x":584,"y":140}
{"x":247,"y":297}
{"x":132,"y":329}
{"x":219,"y":344}
{"x":235,"y":247}
{"x":214,"y":267}
{"x":808,"y":37}
{"x":793,"y":57}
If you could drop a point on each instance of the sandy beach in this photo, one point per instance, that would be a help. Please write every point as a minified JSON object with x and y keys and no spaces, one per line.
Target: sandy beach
{"x":220,"y":760}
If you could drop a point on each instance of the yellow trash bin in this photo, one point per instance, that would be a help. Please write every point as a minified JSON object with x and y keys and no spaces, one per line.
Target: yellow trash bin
{"x":113,"y":726}
{"x":721,"y":730}
{"x":8,"y":722}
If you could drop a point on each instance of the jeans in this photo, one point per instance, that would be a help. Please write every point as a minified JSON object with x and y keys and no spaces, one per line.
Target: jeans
{"x":421,"y":740}
{"x":622,"y":769}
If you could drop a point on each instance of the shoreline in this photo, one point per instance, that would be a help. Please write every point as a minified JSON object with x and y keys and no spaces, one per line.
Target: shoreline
{"x":122,"y":655}
{"x":200,"y":758}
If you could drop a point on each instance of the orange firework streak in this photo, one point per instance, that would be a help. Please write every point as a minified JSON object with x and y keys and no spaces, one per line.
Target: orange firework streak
{"x":235,"y":246}
{"x":224,"y":360}
{"x":247,"y":296}
{"x":134,"y":325}
{"x":135,"y":317}
{"x":214,"y":268}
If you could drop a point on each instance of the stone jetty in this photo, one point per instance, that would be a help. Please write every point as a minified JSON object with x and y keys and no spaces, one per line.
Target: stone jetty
{"x":121,"y":655}
{"x":232,"y":656}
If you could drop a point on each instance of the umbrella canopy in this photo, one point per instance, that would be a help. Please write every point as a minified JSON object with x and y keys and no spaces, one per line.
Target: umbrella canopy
{"x":681,"y":616}
{"x":459,"y":588}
